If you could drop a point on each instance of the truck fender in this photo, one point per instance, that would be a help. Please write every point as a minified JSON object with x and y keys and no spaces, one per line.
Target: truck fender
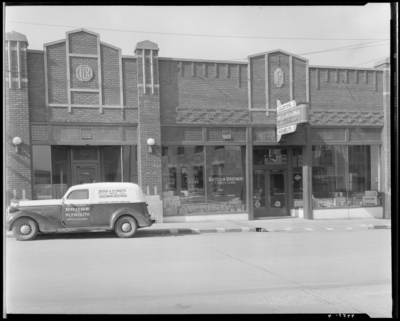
{"x":45,"y":224}
{"x":125,"y":211}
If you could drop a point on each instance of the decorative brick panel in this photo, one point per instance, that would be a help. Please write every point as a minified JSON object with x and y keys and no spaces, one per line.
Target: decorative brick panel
{"x":257,"y":71}
{"x":110,"y":76}
{"x":83,"y":43}
{"x":92,"y":115}
{"x":84,"y":98}
{"x":129,"y":72}
{"x":70,"y":133}
{"x":39,"y":132}
{"x":299,"y":80}
{"x":57,"y":73}
{"x":130,"y":134}
{"x":208,"y":116}
{"x":36,"y":83}
{"x":332,"y":117}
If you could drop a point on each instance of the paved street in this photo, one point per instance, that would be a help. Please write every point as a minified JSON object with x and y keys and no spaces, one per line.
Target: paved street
{"x":341,"y":271}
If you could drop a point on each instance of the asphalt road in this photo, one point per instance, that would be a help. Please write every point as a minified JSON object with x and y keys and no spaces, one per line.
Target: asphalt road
{"x":98,"y":273}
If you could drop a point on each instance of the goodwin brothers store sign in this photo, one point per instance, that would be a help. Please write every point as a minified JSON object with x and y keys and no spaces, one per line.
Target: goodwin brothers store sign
{"x":288,"y":116}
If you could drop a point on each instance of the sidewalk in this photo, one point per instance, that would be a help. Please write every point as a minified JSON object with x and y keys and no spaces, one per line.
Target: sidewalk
{"x":289,"y":225}
{"x":268,"y":225}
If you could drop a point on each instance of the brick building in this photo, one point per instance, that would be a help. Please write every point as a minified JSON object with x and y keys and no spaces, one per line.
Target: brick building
{"x":85,"y":113}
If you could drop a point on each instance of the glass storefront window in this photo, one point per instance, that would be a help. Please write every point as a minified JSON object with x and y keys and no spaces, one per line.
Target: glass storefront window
{"x":345,"y":176}
{"x":59,"y":159}
{"x":41,"y":172}
{"x":111,"y":159}
{"x":56,"y":168}
{"x":269,"y":156}
{"x":130,"y":168}
{"x":198,"y":179}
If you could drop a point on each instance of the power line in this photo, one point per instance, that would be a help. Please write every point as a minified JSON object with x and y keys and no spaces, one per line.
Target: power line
{"x":360,"y":44}
{"x":333,"y":49}
{"x":187,"y":34}
{"x":369,"y":61}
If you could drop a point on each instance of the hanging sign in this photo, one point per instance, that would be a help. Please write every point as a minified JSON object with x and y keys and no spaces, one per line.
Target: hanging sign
{"x":288,"y":115}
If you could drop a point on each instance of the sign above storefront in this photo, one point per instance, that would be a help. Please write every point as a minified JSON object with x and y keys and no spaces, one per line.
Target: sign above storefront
{"x":288,"y":115}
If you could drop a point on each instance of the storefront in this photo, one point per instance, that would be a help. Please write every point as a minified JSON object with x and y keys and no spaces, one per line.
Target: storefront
{"x":57,"y":167}
{"x":223,"y":147}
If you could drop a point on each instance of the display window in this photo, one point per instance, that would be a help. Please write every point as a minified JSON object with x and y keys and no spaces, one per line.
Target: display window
{"x":56,"y":168}
{"x":204,"y":179}
{"x":345,"y":176}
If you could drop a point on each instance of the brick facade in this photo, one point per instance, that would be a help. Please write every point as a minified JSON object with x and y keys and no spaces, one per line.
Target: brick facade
{"x":144,"y":94}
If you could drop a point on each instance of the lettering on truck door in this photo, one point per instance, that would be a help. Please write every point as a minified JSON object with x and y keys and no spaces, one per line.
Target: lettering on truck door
{"x":77,"y":209}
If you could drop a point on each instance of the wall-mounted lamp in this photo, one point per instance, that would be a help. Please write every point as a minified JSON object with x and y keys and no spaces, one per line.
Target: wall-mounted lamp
{"x":17,"y":142}
{"x":151,"y":142}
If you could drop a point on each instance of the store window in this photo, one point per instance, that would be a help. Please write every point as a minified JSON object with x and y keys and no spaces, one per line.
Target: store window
{"x":111,"y":159}
{"x":130,"y":164}
{"x":42,"y":188}
{"x":269,"y":156}
{"x":204,"y":180}
{"x":345,"y":176}
{"x":60,"y":170}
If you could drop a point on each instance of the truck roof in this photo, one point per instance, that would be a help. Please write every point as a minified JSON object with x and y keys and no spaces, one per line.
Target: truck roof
{"x":108,"y":185}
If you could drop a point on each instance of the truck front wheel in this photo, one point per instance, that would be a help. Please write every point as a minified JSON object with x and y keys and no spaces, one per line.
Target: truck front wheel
{"x":25,"y":229}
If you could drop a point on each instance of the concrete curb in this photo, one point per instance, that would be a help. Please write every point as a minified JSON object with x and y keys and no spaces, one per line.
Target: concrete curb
{"x":376,"y":227}
{"x":175,"y":231}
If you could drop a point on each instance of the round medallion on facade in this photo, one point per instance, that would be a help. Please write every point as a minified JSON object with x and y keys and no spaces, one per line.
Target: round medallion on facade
{"x":277,"y":204}
{"x":84,"y":73}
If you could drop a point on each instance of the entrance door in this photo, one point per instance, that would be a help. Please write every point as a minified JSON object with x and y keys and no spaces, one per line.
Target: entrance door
{"x":85,"y":173}
{"x":270,"y":193}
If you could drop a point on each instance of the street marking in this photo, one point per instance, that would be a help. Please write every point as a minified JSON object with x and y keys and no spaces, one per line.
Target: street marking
{"x":220,"y":229}
{"x":349,"y":228}
{"x":329,"y":229}
{"x":288,"y":229}
{"x":363,"y":225}
{"x":308,"y":229}
{"x":173,"y":231}
{"x":245,"y":229}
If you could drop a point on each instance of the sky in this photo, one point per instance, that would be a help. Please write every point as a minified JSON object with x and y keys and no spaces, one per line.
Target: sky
{"x":220,"y":32}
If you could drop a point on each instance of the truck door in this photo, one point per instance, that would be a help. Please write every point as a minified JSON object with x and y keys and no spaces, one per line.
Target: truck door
{"x":77,"y":209}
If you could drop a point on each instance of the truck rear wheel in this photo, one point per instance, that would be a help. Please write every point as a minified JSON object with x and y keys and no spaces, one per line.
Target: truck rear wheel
{"x":126,"y":227}
{"x":25,"y":229}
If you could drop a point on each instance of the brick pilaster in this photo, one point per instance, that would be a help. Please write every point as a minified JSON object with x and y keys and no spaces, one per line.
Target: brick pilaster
{"x":150,"y":173}
{"x":18,"y":174}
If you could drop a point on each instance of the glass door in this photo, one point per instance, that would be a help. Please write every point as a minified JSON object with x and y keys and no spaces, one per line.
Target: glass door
{"x":277,"y":200}
{"x":270,"y":188}
{"x":85,"y":173}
